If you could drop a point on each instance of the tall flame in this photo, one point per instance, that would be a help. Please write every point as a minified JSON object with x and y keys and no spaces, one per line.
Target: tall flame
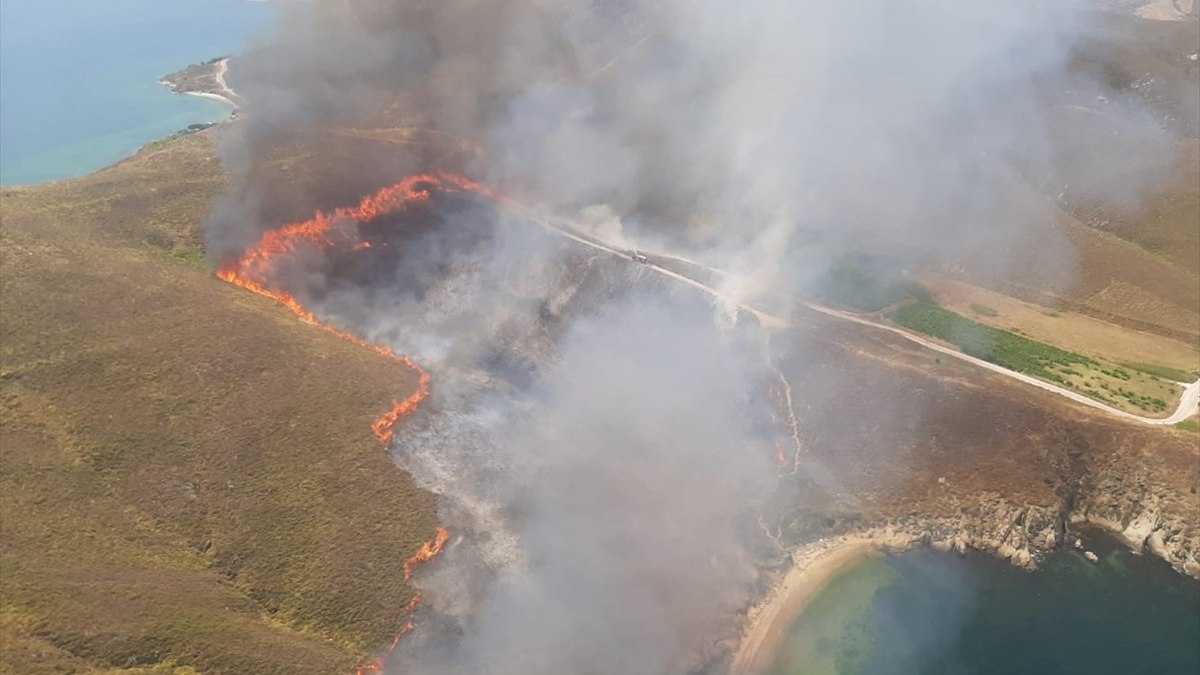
{"x":378,"y":664}
{"x":252,"y":271}
{"x":428,"y":551}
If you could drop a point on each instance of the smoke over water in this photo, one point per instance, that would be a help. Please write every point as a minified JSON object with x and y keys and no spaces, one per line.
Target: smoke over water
{"x":600,"y":434}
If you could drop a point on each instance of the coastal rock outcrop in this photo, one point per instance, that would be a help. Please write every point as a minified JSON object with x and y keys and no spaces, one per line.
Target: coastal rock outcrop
{"x":1145,"y":513}
{"x":1015,"y":532}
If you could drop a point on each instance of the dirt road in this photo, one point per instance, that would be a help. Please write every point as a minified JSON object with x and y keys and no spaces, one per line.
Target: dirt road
{"x":1187,"y":404}
{"x":225,"y":91}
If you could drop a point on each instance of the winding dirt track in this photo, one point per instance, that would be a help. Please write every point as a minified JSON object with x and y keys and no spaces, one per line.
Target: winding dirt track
{"x":1188,"y":402}
{"x":226,"y":91}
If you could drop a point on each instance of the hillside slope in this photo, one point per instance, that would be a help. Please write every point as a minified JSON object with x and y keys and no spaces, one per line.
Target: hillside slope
{"x":188,"y":475}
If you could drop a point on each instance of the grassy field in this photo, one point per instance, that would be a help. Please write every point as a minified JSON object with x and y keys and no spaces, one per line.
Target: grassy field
{"x":1068,"y":330}
{"x":188,"y":481}
{"x":1168,"y":224}
{"x":867,"y":284}
{"x":1000,"y":347}
{"x":1126,"y":389}
{"x":1131,"y":55}
{"x":1135,"y":264}
{"x":1141,"y":263}
{"x":1163,"y":372}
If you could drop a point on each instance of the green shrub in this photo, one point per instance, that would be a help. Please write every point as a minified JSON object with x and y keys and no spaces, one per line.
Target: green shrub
{"x":869,"y":285}
{"x":1165,"y":372}
{"x":1003,"y":348}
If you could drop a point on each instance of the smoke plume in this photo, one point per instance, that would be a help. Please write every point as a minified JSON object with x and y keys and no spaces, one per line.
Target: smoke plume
{"x":601,"y":435}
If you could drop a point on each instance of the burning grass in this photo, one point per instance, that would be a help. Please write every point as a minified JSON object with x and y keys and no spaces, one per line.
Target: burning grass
{"x":254,"y":270}
{"x":177,"y":490}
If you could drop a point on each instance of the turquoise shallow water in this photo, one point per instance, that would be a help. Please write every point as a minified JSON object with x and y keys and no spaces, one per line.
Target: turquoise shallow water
{"x":79,"y":78}
{"x":939,"y":614}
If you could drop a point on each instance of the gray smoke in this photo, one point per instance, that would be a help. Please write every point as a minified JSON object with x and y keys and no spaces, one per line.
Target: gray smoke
{"x":599,"y":436}
{"x":627,"y":505}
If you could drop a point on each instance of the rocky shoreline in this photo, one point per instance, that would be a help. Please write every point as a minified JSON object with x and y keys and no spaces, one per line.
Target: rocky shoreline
{"x":1144,"y":516}
{"x":1131,"y":508}
{"x":1022,"y":534}
{"x":1149,"y":507}
{"x":1144,"y":494}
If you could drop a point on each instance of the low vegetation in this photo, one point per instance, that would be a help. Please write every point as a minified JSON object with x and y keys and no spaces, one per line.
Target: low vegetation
{"x":188,"y":481}
{"x":1132,"y":390}
{"x":867,"y":284}
{"x":1070,"y":331}
{"x":1164,"y":372}
{"x":1001,"y":347}
{"x":1189,"y":425}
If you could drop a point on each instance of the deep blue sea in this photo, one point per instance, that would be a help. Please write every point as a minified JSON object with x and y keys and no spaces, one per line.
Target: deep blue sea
{"x":932,"y":613}
{"x":79,"y":78}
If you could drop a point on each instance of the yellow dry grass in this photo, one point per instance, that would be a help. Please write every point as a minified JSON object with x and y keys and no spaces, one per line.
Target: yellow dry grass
{"x":188,"y":478}
{"x":1064,"y":329}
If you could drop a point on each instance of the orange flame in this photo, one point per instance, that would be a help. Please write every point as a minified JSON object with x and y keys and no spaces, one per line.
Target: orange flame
{"x":428,"y":551}
{"x":378,"y":664}
{"x":252,"y":272}
{"x":385,"y":426}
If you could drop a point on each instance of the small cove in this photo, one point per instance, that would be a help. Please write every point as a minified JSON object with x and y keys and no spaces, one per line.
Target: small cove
{"x":942,"y":614}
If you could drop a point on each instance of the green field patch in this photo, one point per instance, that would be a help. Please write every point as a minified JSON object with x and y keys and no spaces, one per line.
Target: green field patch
{"x":192,"y":256}
{"x":1165,"y":372}
{"x":1120,"y":386}
{"x":868,"y":284}
{"x":1001,"y":347}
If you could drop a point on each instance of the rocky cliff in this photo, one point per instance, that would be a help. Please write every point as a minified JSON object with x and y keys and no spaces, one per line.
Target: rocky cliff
{"x":1146,"y":515}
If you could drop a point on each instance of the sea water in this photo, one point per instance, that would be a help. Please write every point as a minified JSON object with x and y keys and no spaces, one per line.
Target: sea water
{"x":79,"y":78}
{"x":941,"y":614}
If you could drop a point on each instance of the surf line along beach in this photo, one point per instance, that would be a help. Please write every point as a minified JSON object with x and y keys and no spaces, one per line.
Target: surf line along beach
{"x":813,"y":567}
{"x":206,"y":80}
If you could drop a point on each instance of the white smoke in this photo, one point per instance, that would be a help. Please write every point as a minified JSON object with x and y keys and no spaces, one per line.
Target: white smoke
{"x":598,"y":436}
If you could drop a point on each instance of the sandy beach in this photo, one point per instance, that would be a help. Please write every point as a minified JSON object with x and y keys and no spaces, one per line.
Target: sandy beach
{"x":223,"y":92}
{"x":215,"y":97}
{"x":814,"y":567}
